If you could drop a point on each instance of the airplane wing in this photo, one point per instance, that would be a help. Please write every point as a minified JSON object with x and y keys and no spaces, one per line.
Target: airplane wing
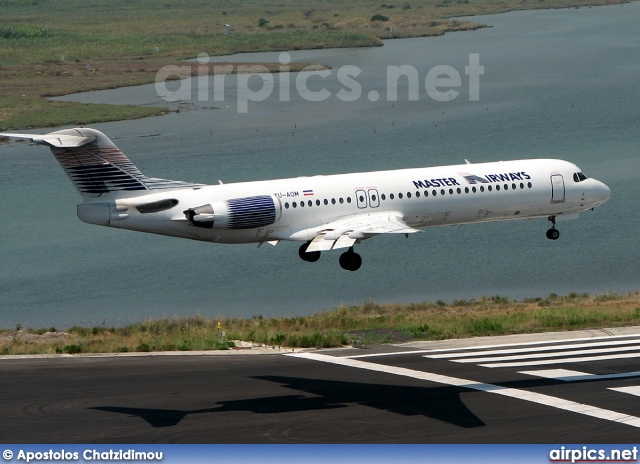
{"x":344,"y":232}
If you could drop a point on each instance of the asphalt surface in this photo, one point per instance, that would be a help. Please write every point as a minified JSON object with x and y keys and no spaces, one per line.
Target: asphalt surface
{"x":535,"y":389}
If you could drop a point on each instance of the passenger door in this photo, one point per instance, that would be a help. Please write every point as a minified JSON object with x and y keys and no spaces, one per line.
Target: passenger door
{"x":557,"y":188}
{"x":374,"y":198}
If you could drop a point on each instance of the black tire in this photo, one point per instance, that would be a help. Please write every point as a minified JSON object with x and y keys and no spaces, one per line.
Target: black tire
{"x":553,"y":234}
{"x":350,"y":261}
{"x":310,"y":257}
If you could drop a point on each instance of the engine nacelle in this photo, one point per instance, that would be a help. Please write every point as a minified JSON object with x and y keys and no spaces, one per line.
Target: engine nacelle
{"x":236,"y":213}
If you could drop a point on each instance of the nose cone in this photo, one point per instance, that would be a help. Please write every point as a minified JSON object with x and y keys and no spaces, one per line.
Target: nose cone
{"x":600,"y":192}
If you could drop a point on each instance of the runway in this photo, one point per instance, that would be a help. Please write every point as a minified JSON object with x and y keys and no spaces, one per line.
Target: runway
{"x":559,"y":388}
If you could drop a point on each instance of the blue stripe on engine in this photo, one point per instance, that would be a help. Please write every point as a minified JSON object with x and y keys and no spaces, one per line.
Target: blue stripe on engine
{"x":251,"y":212}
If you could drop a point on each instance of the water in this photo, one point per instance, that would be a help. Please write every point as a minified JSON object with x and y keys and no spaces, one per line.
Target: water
{"x":558,"y":84}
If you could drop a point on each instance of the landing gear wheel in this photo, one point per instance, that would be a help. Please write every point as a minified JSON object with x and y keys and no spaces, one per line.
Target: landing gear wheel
{"x":311,"y":256}
{"x":553,"y":234}
{"x":350,"y":260}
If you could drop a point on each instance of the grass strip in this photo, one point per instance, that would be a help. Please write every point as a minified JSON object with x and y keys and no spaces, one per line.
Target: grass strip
{"x":368,"y":323}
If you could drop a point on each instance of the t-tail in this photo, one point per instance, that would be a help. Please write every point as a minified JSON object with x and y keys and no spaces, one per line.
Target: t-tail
{"x":94,"y":164}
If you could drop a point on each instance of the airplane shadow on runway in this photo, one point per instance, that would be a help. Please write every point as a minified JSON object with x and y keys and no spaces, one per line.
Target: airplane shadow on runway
{"x":440,"y":403}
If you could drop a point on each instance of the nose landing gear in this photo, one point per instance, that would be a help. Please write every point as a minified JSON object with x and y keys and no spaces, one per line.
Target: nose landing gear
{"x":553,"y":233}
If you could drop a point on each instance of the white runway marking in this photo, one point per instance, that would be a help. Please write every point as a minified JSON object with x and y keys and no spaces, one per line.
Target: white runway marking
{"x":538,"y":398}
{"x":630,"y":390}
{"x":539,"y":348}
{"x":554,"y":344}
{"x":563,"y":360}
{"x":555,"y":354}
{"x":573,"y":376}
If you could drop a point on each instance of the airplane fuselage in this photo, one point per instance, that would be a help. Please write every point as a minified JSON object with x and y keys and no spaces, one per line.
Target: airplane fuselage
{"x":421,"y":197}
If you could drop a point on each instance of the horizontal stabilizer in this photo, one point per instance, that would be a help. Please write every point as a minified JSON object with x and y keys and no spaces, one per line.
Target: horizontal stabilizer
{"x":94,"y":164}
{"x":52,"y":140}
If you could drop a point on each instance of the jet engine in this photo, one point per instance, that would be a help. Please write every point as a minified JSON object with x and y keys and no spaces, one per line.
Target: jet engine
{"x":235,"y":213}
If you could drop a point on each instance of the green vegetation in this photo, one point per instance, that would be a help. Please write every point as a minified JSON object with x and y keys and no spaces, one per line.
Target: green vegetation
{"x":367,"y":323}
{"x":46,"y":45}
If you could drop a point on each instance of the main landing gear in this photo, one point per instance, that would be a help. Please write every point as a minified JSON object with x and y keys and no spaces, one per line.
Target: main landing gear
{"x":349,"y":260}
{"x":311,"y":256}
{"x":553,"y":233}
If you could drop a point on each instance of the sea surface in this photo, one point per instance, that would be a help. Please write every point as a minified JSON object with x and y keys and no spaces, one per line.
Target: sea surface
{"x":556,"y":84}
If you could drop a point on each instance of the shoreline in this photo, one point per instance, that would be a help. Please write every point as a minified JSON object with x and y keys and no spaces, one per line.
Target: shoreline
{"x":29,"y":108}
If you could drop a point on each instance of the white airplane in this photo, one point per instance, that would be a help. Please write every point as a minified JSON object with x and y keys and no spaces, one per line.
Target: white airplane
{"x":323,"y":212}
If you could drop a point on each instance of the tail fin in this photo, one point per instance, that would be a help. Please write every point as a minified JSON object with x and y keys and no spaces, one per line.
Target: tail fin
{"x":94,"y":164}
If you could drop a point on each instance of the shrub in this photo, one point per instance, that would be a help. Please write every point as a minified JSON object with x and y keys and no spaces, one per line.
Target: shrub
{"x":143,"y":347}
{"x":379,"y":17}
{"x":484,"y":326}
{"x":8,"y":31}
{"x":72,"y":349}
{"x":277,"y":339}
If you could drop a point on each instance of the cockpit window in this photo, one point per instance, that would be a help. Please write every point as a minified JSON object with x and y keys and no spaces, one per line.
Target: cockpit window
{"x":579,"y":177}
